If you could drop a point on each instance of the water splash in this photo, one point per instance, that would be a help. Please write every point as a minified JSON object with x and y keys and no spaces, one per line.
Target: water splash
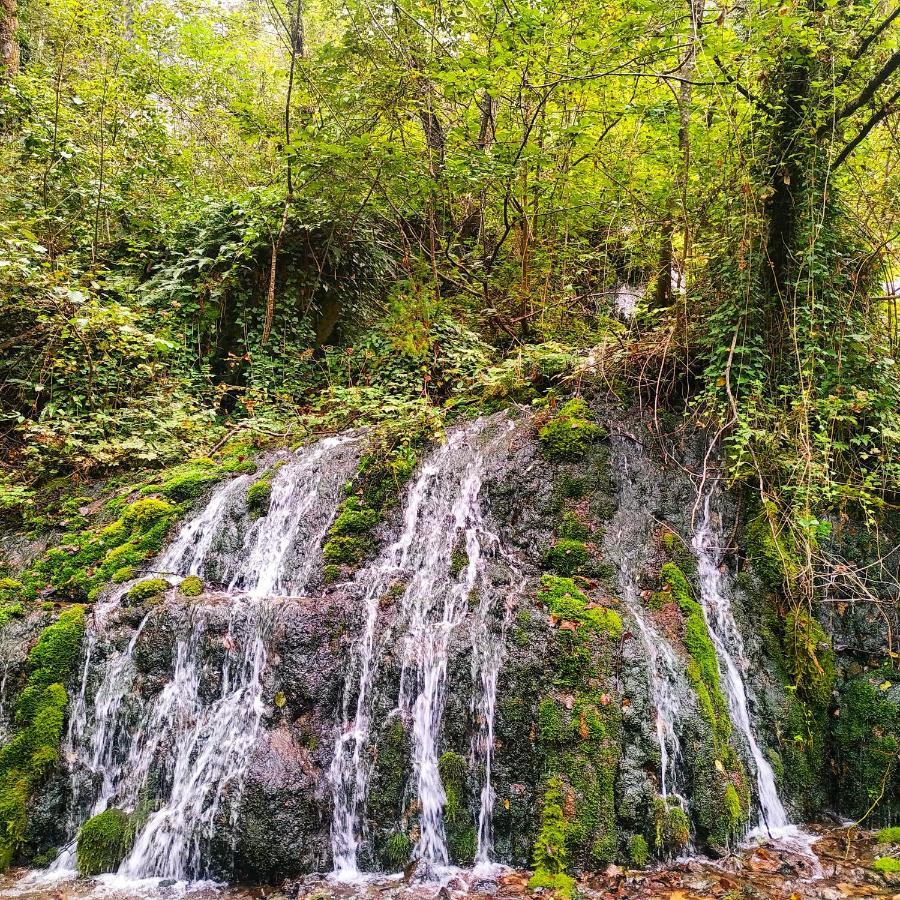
{"x":194,"y":738}
{"x":733,"y":661}
{"x":443,"y":519}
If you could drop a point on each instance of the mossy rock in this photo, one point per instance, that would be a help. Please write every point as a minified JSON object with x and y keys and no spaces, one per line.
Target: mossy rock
{"x":346,"y":549}
{"x":567,"y":436}
{"x":144,"y":590}
{"x":259,"y":498}
{"x":567,"y":557}
{"x":810,"y":657}
{"x":103,"y":842}
{"x":191,"y":586}
{"x":189,"y":481}
{"x":638,"y":851}
{"x":889,"y":835}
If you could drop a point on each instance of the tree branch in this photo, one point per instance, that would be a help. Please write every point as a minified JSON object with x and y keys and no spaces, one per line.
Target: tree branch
{"x":867,"y":93}
{"x":873,"y":120}
{"x":747,"y":95}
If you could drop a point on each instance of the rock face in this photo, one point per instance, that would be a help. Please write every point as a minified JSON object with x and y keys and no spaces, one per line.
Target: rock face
{"x":584,"y":550}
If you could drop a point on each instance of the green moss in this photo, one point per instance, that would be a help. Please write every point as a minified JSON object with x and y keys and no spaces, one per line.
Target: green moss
{"x":347,"y":550}
{"x":550,"y":852}
{"x":14,"y":791}
{"x":189,"y":481}
{"x":559,"y":883}
{"x":889,"y":835}
{"x":126,"y":573}
{"x":85,"y":562}
{"x":772,"y":553}
{"x":570,"y":432}
{"x":886,"y":864}
{"x":461,"y":836}
{"x":191,"y":586}
{"x":11,"y":590}
{"x":10,"y":611}
{"x":331,"y":573}
{"x":866,"y":738}
{"x":573,"y":528}
{"x":568,"y":603}
{"x":672,"y":828}
{"x":396,"y":851}
{"x":103,"y":842}
{"x":733,"y":805}
{"x":354,"y":518}
{"x":259,"y":498}
{"x":459,"y":561}
{"x":567,"y":557}
{"x":39,"y":716}
{"x":810,"y":658}
{"x":149,"y":587}
{"x":638,"y":851}
{"x":703,"y":668}
{"x":389,"y":774}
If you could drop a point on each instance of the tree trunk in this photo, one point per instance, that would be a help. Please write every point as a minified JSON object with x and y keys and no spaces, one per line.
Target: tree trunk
{"x":9,"y":44}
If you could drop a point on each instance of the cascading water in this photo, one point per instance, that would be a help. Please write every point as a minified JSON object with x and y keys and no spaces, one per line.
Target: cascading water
{"x":194,"y":744}
{"x":733,"y":662}
{"x":443,"y":515}
{"x":630,"y":531}
{"x":275,"y":556}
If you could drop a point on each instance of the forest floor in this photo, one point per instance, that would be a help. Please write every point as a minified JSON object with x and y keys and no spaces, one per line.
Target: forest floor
{"x":841,"y":867}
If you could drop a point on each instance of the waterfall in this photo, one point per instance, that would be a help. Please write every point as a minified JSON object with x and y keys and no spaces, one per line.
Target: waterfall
{"x":442,"y":516}
{"x":193,"y":739}
{"x":733,"y":661}
{"x":277,"y":555}
{"x":630,"y":531}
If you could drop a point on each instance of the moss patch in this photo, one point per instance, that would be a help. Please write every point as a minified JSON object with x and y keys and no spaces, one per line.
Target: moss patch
{"x":570,"y":432}
{"x":191,"y":586}
{"x":144,"y":590}
{"x":259,"y":498}
{"x":866,"y":737}
{"x":886,"y":864}
{"x":38,"y":718}
{"x":103,"y":842}
{"x":888,"y":835}
{"x":638,"y":851}
{"x":85,"y":562}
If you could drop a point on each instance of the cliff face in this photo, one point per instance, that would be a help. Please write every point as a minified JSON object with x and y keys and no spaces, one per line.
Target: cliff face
{"x":540,"y":644}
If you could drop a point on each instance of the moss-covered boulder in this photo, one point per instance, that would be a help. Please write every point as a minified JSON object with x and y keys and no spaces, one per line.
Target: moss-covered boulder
{"x":144,"y":590}
{"x":569,"y":433}
{"x":191,"y":586}
{"x":103,"y":842}
{"x":259,"y":498}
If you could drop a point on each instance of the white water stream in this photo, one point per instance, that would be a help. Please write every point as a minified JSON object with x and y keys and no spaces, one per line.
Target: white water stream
{"x":193,"y":746}
{"x":733,"y":661}
{"x":443,"y":515}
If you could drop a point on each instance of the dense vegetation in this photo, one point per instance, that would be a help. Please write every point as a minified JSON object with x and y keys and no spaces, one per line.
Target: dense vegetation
{"x":227,"y":223}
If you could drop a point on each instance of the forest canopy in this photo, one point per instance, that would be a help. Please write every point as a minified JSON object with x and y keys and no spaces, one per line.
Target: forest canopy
{"x":290,"y":215}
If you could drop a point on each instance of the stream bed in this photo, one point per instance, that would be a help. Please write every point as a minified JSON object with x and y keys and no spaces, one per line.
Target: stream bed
{"x":839,"y":868}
